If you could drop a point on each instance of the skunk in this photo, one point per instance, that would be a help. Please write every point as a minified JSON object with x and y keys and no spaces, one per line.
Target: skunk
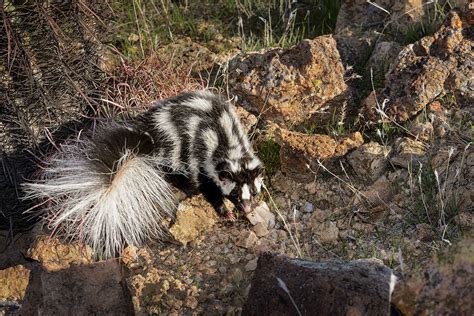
{"x":114,"y":185}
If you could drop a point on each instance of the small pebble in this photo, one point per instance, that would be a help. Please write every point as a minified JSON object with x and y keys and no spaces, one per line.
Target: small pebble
{"x":260,"y":230}
{"x":246,"y":239}
{"x":251,"y":265}
{"x":308,"y":207}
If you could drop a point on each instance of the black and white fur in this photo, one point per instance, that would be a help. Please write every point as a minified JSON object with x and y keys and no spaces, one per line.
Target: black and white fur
{"x":113,"y":186}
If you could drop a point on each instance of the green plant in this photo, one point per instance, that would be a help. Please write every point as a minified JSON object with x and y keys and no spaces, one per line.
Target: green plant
{"x":279,"y":23}
{"x":269,"y":152}
{"x":434,"y":18}
{"x":437,"y":203}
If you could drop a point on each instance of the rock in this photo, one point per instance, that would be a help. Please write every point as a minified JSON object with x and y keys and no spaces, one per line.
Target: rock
{"x":298,"y":150}
{"x":261,"y":214}
{"x":359,"y":25}
{"x":260,"y":229}
{"x":354,"y":45}
{"x":359,"y":14}
{"x":14,"y":249}
{"x":13,"y":283}
{"x":247,"y":119}
{"x":383,"y":55}
{"x":422,"y":131}
{"x":326,"y":233}
{"x":193,"y":217}
{"x":55,"y":255}
{"x":308,"y":207}
{"x":369,"y":161}
{"x":251,"y":265}
{"x":288,"y":85}
{"x":246,"y":239}
{"x":191,"y":302}
{"x":444,"y":287}
{"x":380,"y":192}
{"x":431,"y":67}
{"x":129,"y":257}
{"x":407,"y":152}
{"x":80,"y":290}
{"x":318,"y":217}
{"x":281,"y":286}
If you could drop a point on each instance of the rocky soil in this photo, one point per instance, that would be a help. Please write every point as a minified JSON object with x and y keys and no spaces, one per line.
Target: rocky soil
{"x":384,"y":173}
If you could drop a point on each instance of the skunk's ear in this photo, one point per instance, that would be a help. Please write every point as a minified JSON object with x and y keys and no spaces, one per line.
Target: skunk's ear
{"x":224,"y":172}
{"x":259,"y":172}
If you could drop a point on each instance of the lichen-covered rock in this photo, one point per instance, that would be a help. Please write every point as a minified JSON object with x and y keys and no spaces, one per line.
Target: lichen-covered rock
{"x":426,"y":70}
{"x":288,"y":85}
{"x":56,"y":255}
{"x":13,"y":283}
{"x":299,"y":150}
{"x":407,"y":152}
{"x":370,"y":160}
{"x":194,"y":216}
{"x":360,"y":23}
{"x":422,"y":130}
{"x":446,"y":286}
{"x":247,"y":119}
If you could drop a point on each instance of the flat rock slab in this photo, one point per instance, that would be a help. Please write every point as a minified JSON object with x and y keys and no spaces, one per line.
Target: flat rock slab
{"x":93,"y":289}
{"x":281,"y":286}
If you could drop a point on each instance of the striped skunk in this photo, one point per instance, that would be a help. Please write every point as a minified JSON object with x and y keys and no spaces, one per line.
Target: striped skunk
{"x":114,"y":185}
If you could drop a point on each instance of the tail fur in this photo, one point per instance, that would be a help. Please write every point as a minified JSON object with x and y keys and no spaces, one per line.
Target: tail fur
{"x":106,"y":190}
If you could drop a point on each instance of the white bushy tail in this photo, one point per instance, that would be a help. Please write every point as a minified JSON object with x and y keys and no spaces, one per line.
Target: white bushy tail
{"x":103,"y":193}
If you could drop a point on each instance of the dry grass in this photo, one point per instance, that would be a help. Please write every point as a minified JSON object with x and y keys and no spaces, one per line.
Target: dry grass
{"x":134,"y":85}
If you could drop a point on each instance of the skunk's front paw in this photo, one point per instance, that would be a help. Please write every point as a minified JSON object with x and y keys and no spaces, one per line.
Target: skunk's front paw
{"x":226,"y":213}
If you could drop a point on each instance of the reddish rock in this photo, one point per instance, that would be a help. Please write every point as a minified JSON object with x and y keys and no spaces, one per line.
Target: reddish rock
{"x":408,"y":152}
{"x":299,"y":150}
{"x":288,"y":85}
{"x":431,"y":67}
{"x":445,"y":287}
{"x":369,"y":161}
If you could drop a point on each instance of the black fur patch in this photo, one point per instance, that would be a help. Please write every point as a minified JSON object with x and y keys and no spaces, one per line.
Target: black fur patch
{"x":108,"y":143}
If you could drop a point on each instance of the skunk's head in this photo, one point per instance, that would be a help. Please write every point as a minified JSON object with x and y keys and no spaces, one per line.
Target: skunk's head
{"x":241,"y":181}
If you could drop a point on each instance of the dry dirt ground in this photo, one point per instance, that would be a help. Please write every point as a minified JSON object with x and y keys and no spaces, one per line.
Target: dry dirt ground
{"x":355,"y":169}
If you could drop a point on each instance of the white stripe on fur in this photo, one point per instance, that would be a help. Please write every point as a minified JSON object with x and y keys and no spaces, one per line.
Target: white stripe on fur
{"x":254,"y":163}
{"x":226,"y":123}
{"x":258,"y":182}
{"x":245,"y":192}
{"x":192,"y":129}
{"x":200,"y":104}
{"x":165,"y":124}
{"x":212,"y":141}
